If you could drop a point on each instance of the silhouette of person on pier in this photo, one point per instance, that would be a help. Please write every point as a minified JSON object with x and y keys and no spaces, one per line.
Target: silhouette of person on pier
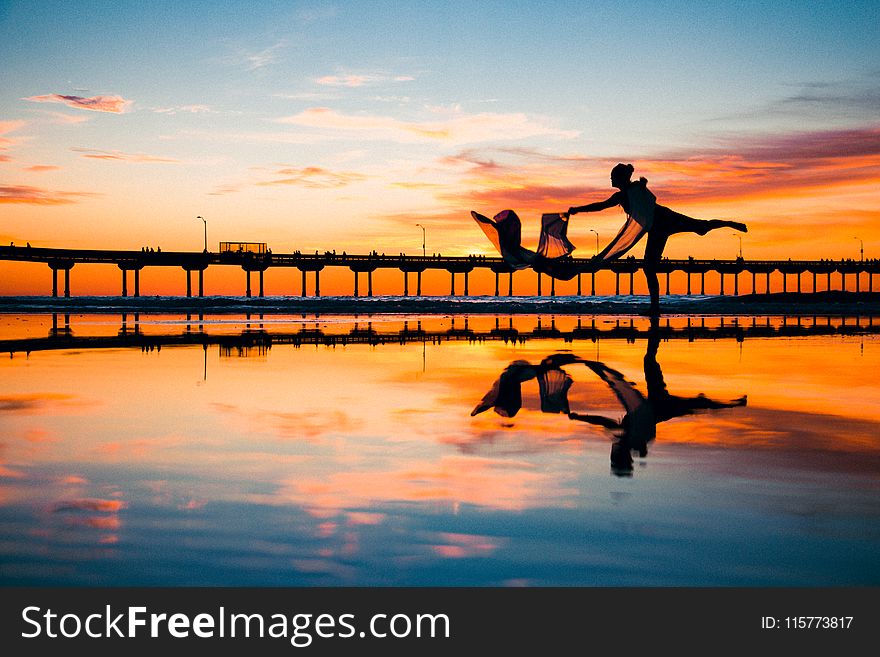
{"x":645,"y":215}
{"x":643,"y":413}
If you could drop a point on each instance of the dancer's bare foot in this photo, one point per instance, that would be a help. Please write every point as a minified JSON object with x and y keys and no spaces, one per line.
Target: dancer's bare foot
{"x":738,"y":225}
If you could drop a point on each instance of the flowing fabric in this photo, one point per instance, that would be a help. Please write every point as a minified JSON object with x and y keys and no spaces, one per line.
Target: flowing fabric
{"x":505,"y":232}
{"x":639,"y":414}
{"x":506,"y":394}
{"x":553,"y":385}
{"x":639,"y":219}
{"x":554,"y":242}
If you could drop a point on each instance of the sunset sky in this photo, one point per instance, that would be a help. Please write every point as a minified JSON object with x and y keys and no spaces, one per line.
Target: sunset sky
{"x":312,"y":125}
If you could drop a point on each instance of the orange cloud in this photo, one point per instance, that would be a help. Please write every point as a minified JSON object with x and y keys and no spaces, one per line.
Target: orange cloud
{"x":111,"y":104}
{"x":5,"y":142}
{"x":40,"y":168}
{"x":314,"y":177}
{"x":10,"y":126}
{"x":451,"y":126}
{"x":38,"y":196}
{"x":737,"y":168}
{"x":123,"y":157}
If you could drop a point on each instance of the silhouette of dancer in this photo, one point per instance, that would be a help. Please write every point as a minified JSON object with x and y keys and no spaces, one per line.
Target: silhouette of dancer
{"x":638,"y":426}
{"x":645,"y":215}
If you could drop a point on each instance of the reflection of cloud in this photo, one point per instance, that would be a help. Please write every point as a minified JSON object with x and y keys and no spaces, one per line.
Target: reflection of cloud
{"x":492,"y":483}
{"x":97,"y":522}
{"x":795,"y":439}
{"x":90,"y":504}
{"x":9,"y":473}
{"x":31,"y":403}
{"x":459,"y":546}
{"x":314,"y":425}
{"x":73,"y":480}
{"x":111,"y":104}
{"x":364,"y":518}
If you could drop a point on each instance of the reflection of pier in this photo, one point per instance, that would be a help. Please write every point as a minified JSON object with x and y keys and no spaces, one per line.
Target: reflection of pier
{"x":258,"y":341}
{"x":729,"y":271}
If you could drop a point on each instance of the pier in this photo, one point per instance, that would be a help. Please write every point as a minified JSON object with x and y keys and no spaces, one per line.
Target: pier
{"x":735,"y":276}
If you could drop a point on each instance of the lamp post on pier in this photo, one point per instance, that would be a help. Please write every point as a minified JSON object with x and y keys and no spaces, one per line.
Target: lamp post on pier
{"x":861,"y":248}
{"x":597,"y":240}
{"x":205,"y":221}
{"x":423,"y":239}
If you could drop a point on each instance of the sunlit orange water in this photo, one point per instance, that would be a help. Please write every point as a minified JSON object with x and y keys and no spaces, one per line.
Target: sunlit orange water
{"x":258,"y":462}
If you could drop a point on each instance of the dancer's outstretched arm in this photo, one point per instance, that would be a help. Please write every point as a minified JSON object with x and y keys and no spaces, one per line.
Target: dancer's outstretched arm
{"x":610,"y":202}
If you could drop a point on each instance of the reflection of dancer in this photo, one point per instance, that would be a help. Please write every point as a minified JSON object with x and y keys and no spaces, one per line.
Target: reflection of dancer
{"x":639,"y":424}
{"x":553,"y":382}
{"x":644,"y":215}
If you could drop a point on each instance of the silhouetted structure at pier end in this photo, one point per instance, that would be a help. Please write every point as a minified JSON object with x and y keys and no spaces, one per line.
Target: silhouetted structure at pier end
{"x":259,"y":260}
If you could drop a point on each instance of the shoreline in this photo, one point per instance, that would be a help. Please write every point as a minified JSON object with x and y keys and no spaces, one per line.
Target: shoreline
{"x":780,"y":303}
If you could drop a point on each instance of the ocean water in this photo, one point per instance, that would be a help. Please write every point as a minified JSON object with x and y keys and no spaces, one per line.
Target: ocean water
{"x":407,"y":449}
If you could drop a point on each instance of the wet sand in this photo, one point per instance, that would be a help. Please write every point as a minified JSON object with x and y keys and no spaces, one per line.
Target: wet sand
{"x":821,"y":303}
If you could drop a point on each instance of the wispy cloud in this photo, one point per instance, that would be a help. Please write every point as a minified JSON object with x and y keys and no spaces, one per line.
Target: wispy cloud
{"x":309,"y":95}
{"x":777,"y":164}
{"x":111,"y":104}
{"x":184,"y":109}
{"x":42,"y":168}
{"x":451,"y":126}
{"x":315,"y":177}
{"x":6,"y":142}
{"x":10,"y":126}
{"x":346,"y":80}
{"x":733,"y":168}
{"x":38,"y":196}
{"x":847,"y":100}
{"x":222,"y":190}
{"x":254,"y":60}
{"x":360,"y":79}
{"x":120,"y":156}
{"x":67,"y":119}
